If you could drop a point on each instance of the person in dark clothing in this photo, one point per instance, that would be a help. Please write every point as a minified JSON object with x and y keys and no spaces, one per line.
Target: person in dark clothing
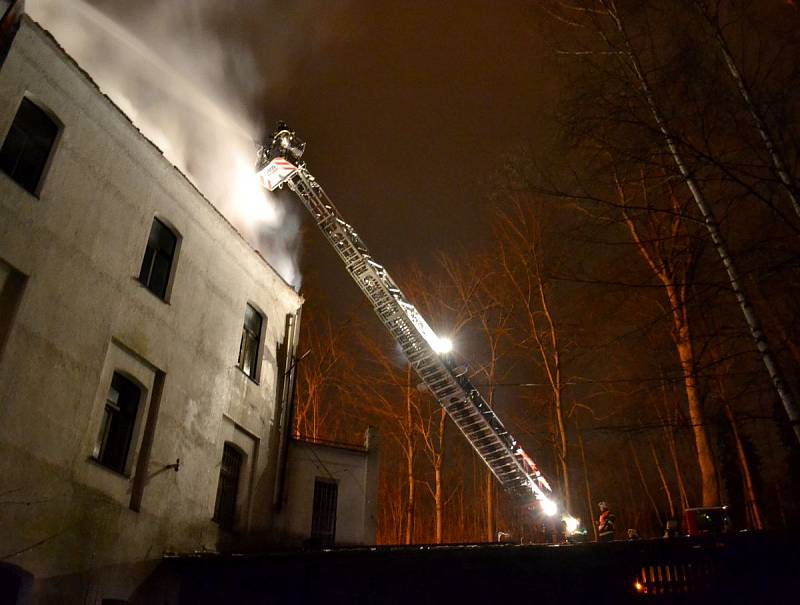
{"x":605,"y":523}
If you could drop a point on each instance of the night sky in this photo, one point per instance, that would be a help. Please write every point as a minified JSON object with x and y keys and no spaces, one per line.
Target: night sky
{"x":407,"y":108}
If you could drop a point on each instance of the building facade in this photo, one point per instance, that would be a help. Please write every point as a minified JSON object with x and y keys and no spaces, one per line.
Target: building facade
{"x":146,"y":349}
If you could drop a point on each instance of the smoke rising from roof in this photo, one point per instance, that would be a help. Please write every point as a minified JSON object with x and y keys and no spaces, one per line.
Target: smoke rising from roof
{"x":188,"y":91}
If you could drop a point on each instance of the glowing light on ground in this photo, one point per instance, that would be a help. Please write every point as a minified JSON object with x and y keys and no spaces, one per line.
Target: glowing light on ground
{"x":571,"y":523}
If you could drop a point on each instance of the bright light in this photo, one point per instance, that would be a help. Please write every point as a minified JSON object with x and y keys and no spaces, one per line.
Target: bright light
{"x":571,"y":523}
{"x":549,"y":507}
{"x":638,"y":586}
{"x":443,"y":345}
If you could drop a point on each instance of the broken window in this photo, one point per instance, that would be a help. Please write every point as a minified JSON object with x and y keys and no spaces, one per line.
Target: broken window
{"x":157,"y":261}
{"x":323,"y":516}
{"x":119,"y":418}
{"x":228,"y":487}
{"x":28,"y":144}
{"x":251,"y":338}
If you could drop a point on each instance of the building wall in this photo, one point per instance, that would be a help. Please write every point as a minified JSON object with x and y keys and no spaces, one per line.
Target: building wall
{"x":83,"y":314}
{"x":354,"y":470}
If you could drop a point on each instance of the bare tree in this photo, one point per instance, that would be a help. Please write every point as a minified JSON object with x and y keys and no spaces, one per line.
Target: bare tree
{"x":522,"y":260}
{"x":322,"y":378}
{"x":665,"y":241}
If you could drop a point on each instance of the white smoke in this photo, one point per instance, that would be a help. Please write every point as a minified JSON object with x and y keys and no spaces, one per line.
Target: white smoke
{"x":188,"y":92}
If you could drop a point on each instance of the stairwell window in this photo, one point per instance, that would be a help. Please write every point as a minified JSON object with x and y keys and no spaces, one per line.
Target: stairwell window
{"x":119,"y":418}
{"x":251,"y":342}
{"x":28,"y":145}
{"x":158,"y":259}
{"x":228,"y":487}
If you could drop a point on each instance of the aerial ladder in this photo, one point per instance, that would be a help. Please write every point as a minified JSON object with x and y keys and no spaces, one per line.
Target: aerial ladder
{"x":279,"y":164}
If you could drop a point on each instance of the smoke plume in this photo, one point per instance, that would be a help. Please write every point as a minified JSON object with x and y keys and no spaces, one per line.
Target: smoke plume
{"x":189,"y":91}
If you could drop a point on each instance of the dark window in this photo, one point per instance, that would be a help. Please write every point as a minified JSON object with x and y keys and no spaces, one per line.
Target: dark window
{"x":229,"y":470}
{"x":27,"y":147}
{"x":323,"y":517}
{"x":157,"y":261}
{"x":116,"y":433}
{"x":251,"y":337}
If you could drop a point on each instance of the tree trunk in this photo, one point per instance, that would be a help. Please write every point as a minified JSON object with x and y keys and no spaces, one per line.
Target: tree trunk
{"x":644,"y":483}
{"x":751,"y":502}
{"x":669,"y":437}
{"x":664,"y":483}
{"x":705,"y":455}
{"x":438,"y":493}
{"x":590,"y":505}
{"x":491,"y":518}
{"x":409,"y":451}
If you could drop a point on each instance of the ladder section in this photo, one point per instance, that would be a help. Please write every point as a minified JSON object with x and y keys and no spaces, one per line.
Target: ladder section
{"x":465,"y":406}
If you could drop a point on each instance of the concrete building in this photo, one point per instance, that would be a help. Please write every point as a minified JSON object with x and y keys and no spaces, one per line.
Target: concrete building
{"x":146,"y":356}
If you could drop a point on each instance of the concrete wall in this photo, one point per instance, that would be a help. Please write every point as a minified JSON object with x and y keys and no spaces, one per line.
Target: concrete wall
{"x":84,"y":315}
{"x":355,"y":472}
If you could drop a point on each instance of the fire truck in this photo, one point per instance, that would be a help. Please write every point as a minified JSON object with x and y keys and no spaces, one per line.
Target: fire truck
{"x":430,"y":355}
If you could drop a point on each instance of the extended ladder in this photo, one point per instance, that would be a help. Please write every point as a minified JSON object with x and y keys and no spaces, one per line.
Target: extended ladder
{"x":467,"y":408}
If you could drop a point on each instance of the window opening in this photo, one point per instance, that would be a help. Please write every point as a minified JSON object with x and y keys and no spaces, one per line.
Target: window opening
{"x":28,"y":144}
{"x":228,"y":487}
{"x":323,"y":517}
{"x":157,"y":261}
{"x":251,"y":337}
{"x":119,"y":418}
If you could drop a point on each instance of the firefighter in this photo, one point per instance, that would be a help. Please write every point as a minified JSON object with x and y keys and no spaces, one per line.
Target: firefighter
{"x":605,"y":523}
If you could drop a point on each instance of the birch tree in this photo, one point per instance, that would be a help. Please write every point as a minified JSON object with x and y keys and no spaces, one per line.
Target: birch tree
{"x":523,"y":265}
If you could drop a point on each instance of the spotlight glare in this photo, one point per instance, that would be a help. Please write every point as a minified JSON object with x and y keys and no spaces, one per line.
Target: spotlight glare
{"x":443,"y":345}
{"x":549,"y":507}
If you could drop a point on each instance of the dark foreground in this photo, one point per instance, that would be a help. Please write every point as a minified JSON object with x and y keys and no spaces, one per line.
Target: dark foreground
{"x":741,"y":568}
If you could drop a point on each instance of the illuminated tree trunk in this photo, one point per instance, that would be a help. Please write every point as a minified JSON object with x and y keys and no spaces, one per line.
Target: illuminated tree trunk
{"x":491,"y":518}
{"x":753,"y":510}
{"x":589,"y":499}
{"x":409,"y":459}
{"x":643,"y":481}
{"x":664,"y":483}
{"x":437,"y":456}
{"x":710,"y":221}
{"x":751,"y":501}
{"x":668,"y":421}
{"x":705,"y":455}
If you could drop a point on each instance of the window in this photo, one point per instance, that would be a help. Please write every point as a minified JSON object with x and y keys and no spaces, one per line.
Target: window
{"x":28,"y":144}
{"x":228,"y":487}
{"x":157,"y":261}
{"x":323,"y":517}
{"x":251,"y":338}
{"x":116,"y":432}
